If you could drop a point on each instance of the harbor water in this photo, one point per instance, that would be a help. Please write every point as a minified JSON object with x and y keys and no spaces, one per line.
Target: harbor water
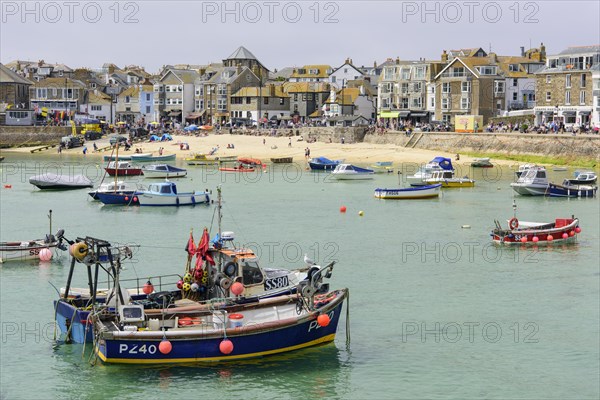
{"x":436,"y":310}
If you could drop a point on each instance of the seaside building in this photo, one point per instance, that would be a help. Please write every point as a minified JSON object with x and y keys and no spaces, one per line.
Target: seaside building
{"x":311,"y":73}
{"x":349,"y":102}
{"x":344,"y":73}
{"x":98,"y":105}
{"x":564,"y":87}
{"x":36,"y":71}
{"x":14,"y":89}
{"x":406,"y":89}
{"x":136,"y":103}
{"x":174,"y":94}
{"x":595,"y":122}
{"x":307,"y":98}
{"x":56,"y":95}
{"x":270,"y":102}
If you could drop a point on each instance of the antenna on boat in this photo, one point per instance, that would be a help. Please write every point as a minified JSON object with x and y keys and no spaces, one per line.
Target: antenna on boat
{"x":514,"y":206}
{"x":50,"y":218}
{"x":219,"y":225}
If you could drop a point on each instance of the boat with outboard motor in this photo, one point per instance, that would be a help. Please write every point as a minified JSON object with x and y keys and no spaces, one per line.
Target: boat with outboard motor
{"x":166,"y":194}
{"x":448,"y":180}
{"x":567,"y":189}
{"x":417,"y":192}
{"x":123,"y":168}
{"x":562,"y":230}
{"x":323,"y":163}
{"x":584,"y":178}
{"x":163,"y":171}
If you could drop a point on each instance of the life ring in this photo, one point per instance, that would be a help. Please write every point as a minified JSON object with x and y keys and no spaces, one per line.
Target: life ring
{"x":230,"y":269}
{"x":513,"y":223}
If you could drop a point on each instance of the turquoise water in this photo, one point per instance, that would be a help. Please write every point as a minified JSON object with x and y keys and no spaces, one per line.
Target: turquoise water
{"x":435,"y":310}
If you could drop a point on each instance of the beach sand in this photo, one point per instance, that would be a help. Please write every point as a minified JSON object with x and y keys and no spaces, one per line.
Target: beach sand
{"x":252,"y":146}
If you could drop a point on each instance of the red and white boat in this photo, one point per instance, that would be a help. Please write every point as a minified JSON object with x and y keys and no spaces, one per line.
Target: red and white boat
{"x":250,"y":161}
{"x":561,"y":230}
{"x":123,"y":168}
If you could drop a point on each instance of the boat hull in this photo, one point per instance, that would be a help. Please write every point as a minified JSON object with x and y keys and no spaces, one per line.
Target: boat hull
{"x":121,"y":198}
{"x":453,"y":183}
{"x":200,"y":346}
{"x":144,"y":158}
{"x":9,"y":252}
{"x":181,"y":199}
{"x":124,"y":171}
{"x":351,"y":177}
{"x":561,"y":231}
{"x":321,"y":167}
{"x":60,"y":182}
{"x":570,"y":191}
{"x":282,"y":160}
{"x":420,"y":192}
{"x":529,"y":189}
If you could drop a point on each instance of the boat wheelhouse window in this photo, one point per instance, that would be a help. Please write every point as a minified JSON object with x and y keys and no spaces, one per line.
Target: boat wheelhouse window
{"x":251,"y":273}
{"x":447,"y":174}
{"x":165,"y":189}
{"x":132,"y":312}
{"x":154,"y":188}
{"x":541,"y":174}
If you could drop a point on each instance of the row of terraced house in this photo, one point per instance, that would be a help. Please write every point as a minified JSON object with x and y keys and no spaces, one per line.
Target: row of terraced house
{"x":240,"y":90}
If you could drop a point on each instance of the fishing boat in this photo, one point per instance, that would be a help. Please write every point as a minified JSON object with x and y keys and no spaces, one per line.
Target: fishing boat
{"x":559,"y":169}
{"x":533,"y":182}
{"x":238,"y":168}
{"x":567,"y":189}
{"x":282,"y":160}
{"x":418,"y":192}
{"x":221,"y":271}
{"x":381,"y":167}
{"x":562,"y":230}
{"x":163,"y":171}
{"x":448,"y":180}
{"x":165,"y":194}
{"x":60,"y":182}
{"x":351,"y":172}
{"x":150,"y":158}
{"x":201,"y":159}
{"x":123,"y":168}
{"x":437,"y":164}
{"x":322,"y":163}
{"x":584,"y":178}
{"x":112,"y":187}
{"x":22,"y":250}
{"x":481,"y":163}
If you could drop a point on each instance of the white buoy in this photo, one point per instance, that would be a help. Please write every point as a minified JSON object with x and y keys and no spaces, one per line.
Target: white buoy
{"x":466,"y":226}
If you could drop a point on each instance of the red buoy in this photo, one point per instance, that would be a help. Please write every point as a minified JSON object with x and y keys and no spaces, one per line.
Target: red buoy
{"x":179,"y":284}
{"x":135,"y":198}
{"x":148,"y":287}
{"x":226,"y":346}
{"x":549,"y":238}
{"x":565,"y":235}
{"x":343,"y":209}
{"x":323,"y":320}
{"x":7,"y":186}
{"x":577,"y":230}
{"x":524,"y":239}
{"x":126,"y":198}
{"x":535,"y":239}
{"x":237,"y":288}
{"x":572,"y":233}
{"x":165,"y":347}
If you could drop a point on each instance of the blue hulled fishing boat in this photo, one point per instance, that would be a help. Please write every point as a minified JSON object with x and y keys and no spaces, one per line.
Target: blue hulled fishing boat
{"x":322,"y":163}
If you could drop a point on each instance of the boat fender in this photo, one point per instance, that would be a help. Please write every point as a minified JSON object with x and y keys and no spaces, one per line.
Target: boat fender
{"x":513,"y":223}
{"x":193,"y":200}
{"x":230,"y":269}
{"x":177,"y":200}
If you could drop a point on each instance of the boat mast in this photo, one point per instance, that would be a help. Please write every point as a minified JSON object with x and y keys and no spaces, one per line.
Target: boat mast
{"x":50,"y":218}
{"x":219,"y":227}
{"x":514,"y":206}
{"x":116,"y":166}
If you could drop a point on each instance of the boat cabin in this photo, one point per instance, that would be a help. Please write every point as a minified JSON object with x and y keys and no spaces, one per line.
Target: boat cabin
{"x":534,"y":174}
{"x":119,"y":165}
{"x":163,"y":188}
{"x":441,"y":175}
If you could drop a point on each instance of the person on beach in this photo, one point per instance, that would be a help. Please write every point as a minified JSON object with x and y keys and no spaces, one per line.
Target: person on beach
{"x":95,"y":147}
{"x":264,"y":141}
{"x":290,"y":143}
{"x":84,"y":150}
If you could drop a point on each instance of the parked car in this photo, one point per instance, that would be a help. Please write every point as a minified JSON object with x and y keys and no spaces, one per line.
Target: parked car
{"x":71,"y":141}
{"x":121,"y":139}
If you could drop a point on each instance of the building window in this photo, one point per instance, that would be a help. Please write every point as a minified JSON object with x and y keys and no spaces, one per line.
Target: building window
{"x":222,"y":89}
{"x":54,"y":92}
{"x":498,"y":87}
{"x":96,"y":108}
{"x":446,"y":87}
{"x":515,"y":96}
{"x":465,"y":103}
{"x":281,"y":101}
{"x":420,"y":73}
{"x":548,"y":80}
{"x":405,"y":74}
{"x":404,"y":87}
{"x":466,"y":87}
{"x":222,"y":104}
{"x":445,"y":104}
{"x":93,"y":86}
{"x":515,"y":82}
{"x":582,"y":97}
{"x":548,"y":96}
{"x":568,"y":97}
{"x":127,"y":99}
{"x":568,"y":81}
{"x":446,"y":118}
{"x":583,"y":80}
{"x":147,"y":96}
{"x":266,"y":101}
{"x":248,"y":100}
{"x":147,"y":109}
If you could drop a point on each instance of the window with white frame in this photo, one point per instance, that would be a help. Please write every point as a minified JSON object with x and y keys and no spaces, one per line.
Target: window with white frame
{"x":445,"y":103}
{"x":222,"y":89}
{"x":96,"y":107}
{"x":445,"y":87}
{"x":487,"y":70}
{"x":403,"y":104}
{"x":465,"y":103}
{"x":568,"y":81}
{"x":417,"y":102}
{"x":548,"y":79}
{"x":432,"y":102}
{"x":515,"y":82}
{"x":548,"y":96}
{"x":515,"y":96}
{"x":498,"y":87}
{"x":583,"y":80}
{"x":405,"y":74}
{"x":466,"y":87}
{"x":582,"y":97}
{"x":568,"y":97}
{"x":446,"y":118}
{"x":417,"y":87}
{"x":404,"y":87}
{"x":420,"y":73}
{"x":222,"y":104}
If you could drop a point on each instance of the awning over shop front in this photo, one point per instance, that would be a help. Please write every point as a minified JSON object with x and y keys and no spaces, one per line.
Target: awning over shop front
{"x":403,"y":114}
{"x":570,"y":113}
{"x":195,"y":115}
{"x":419,"y":114}
{"x":174,"y":113}
{"x":584,"y":112}
{"x":389,"y":114}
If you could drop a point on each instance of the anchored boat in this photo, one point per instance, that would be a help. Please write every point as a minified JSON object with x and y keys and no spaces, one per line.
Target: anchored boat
{"x":165,"y":194}
{"x":351,"y":172}
{"x":163,"y":171}
{"x":418,"y":192}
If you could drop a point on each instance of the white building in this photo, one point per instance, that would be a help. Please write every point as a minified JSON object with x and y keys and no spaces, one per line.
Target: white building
{"x":346,"y":72}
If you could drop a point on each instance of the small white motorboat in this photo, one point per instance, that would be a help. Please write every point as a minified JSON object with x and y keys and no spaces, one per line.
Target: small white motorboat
{"x":163,"y":171}
{"x":533,"y":182}
{"x":351,"y":172}
{"x":165,"y":194}
{"x":418,"y":192}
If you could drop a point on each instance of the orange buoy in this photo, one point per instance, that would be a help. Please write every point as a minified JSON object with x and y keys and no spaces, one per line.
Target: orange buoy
{"x":323,"y":320}
{"x":524,"y":239}
{"x":577,"y":230}
{"x":535,"y":239}
{"x":565,"y":235}
{"x":148,"y":287}
{"x":226,"y":346}
{"x":572,"y":233}
{"x":237,"y":288}
{"x":549,"y":238}
{"x":165,"y":347}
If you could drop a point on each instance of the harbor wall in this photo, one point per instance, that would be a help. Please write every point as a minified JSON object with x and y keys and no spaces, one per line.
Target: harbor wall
{"x":19,"y":136}
{"x":555,"y":145}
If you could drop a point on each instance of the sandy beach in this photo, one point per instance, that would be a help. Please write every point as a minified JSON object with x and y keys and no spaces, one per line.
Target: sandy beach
{"x":253,"y":146}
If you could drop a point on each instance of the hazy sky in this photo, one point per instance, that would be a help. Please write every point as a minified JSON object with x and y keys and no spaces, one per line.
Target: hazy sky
{"x":284,"y":33}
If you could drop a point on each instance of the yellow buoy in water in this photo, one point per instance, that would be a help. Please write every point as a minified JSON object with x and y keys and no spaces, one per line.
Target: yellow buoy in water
{"x":360,"y":213}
